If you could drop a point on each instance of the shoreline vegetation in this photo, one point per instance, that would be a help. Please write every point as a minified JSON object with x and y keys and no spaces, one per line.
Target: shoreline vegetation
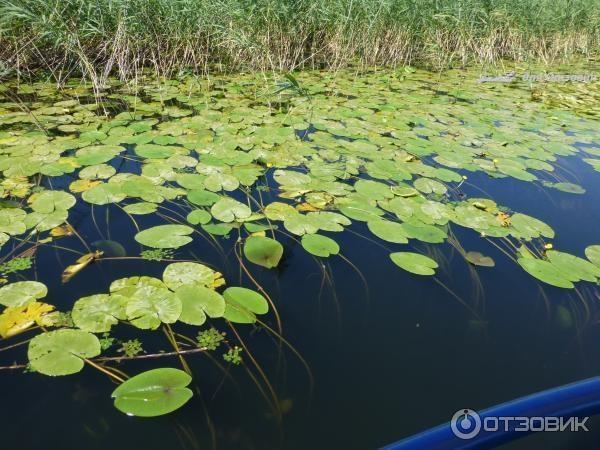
{"x":95,"y":39}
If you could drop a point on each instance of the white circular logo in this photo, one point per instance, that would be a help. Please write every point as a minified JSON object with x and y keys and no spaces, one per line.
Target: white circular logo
{"x":465,"y":424}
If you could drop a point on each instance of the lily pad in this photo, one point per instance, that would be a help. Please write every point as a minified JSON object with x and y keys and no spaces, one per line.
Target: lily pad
{"x":545,"y":271}
{"x":22,"y":293}
{"x":182,"y":273}
{"x":62,"y":352}
{"x":263,"y":251}
{"x":153,"y":393}
{"x":242,"y":305}
{"x":478,"y":259}
{"x":198,"y":302}
{"x":149,"y":306}
{"x":228,"y":210}
{"x":98,"y":313}
{"x":319,"y":245}
{"x":414,"y":263}
{"x":165,"y":236}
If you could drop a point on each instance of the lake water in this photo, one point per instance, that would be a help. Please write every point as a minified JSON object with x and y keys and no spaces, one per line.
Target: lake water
{"x":390,"y":353}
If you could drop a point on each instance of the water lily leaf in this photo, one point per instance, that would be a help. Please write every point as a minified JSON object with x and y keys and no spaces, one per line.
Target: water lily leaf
{"x":12,"y":221}
{"x":428,"y":186}
{"x":141,"y":208}
{"x":228,"y":210}
{"x":165,"y":236}
{"x":373,"y":190}
{"x":153,"y":393}
{"x":423,"y":232}
{"x":198,"y":217}
{"x":22,"y":293}
{"x":388,"y":231}
{"x":49,"y":201}
{"x":263,"y":251}
{"x":62,"y":352}
{"x":182,"y":273}
{"x":414,"y":263}
{"x":99,"y":171}
{"x":572,"y":267}
{"x":319,"y":245}
{"x":570,"y":188}
{"x":104,"y":193}
{"x":201,"y":197}
{"x":218,"y":229}
{"x":545,"y":271}
{"x":593,"y":254}
{"x":528,"y":227}
{"x":15,"y":320}
{"x":242,"y":305}
{"x":279,"y":211}
{"x":98,"y":313}
{"x":149,"y":306}
{"x":198,"y":302}
{"x":478,"y":259}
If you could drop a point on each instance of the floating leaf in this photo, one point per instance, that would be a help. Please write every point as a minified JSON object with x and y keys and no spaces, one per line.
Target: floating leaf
{"x":141,"y":208}
{"x":198,"y":302}
{"x":319,"y":245}
{"x":198,"y":217}
{"x":22,"y":293}
{"x":593,"y":254}
{"x":478,"y":259}
{"x":242,"y":305}
{"x":153,"y":393}
{"x":62,"y":352}
{"x":182,"y":273}
{"x":388,"y":231}
{"x":545,"y":271}
{"x":98,"y":313}
{"x":149,"y":306}
{"x":572,"y":267}
{"x":15,"y":320}
{"x":165,"y":236}
{"x":414,"y":263}
{"x":228,"y":210}
{"x":263,"y":251}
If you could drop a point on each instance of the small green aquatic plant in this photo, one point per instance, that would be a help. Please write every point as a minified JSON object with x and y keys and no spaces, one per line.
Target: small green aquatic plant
{"x":233,"y":356}
{"x":16,"y":265}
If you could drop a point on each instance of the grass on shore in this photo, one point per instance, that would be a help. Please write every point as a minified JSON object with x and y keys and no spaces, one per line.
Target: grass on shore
{"x":95,"y":38}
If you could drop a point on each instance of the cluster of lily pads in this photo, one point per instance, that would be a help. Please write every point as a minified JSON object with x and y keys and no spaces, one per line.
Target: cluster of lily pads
{"x":389,"y":149}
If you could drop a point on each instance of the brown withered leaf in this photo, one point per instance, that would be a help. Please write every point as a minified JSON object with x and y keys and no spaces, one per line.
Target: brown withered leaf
{"x":79,"y":265}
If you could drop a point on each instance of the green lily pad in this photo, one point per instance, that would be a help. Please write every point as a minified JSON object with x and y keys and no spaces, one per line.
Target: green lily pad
{"x":572,"y":267}
{"x":319,"y":245}
{"x":242,"y":305}
{"x":153,"y":393}
{"x":545,"y":271}
{"x":182,"y":273}
{"x":593,"y":254}
{"x":388,"y":231}
{"x":98,"y":313}
{"x":149,"y":306}
{"x":198,"y":217}
{"x":22,"y":293}
{"x":141,"y":208}
{"x":165,"y":236}
{"x":62,"y":352}
{"x":198,"y":302}
{"x":263,"y":251}
{"x":228,"y":210}
{"x":414,"y":263}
